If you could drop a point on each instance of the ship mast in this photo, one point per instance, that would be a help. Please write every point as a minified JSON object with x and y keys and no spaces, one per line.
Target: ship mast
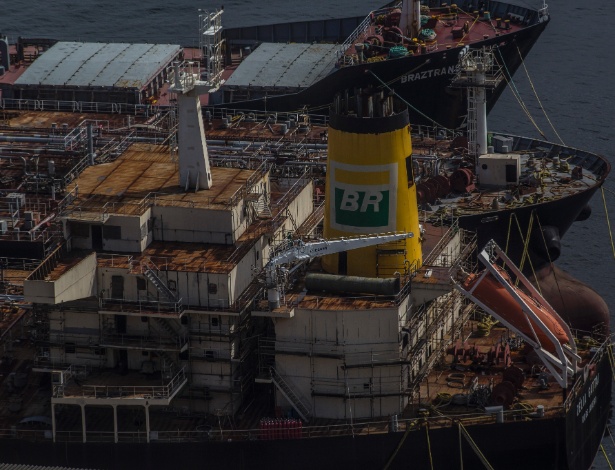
{"x":210,"y":44}
{"x":410,"y":22}
{"x":478,"y":72}
{"x":188,"y":83}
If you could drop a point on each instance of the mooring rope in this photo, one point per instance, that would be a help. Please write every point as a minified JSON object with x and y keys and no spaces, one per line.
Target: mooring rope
{"x":608,"y":221}
{"x":407,"y":104}
{"x":513,"y":88}
{"x":606,"y":457}
{"x":544,"y":111}
{"x":474,"y":447}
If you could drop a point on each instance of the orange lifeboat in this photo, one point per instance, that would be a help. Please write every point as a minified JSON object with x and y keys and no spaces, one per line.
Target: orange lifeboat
{"x":494,"y":295}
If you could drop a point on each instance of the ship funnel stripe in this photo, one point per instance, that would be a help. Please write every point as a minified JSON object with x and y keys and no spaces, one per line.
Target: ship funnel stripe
{"x":375,"y":125}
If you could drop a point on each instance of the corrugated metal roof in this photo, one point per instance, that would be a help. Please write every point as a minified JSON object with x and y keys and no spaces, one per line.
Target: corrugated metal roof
{"x":284,"y":65}
{"x":85,"y":64}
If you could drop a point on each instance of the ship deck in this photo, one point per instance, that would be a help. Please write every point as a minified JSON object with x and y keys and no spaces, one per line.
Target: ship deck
{"x":239,"y":148}
{"x":477,"y":362}
{"x":285,"y":62}
{"x":145,"y":171}
{"x":441,"y":402}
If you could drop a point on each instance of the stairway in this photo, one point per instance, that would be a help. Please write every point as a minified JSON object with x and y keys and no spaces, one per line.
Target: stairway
{"x":311,"y":222}
{"x":292,"y":220}
{"x":168,"y":366}
{"x":262,"y":208}
{"x":301,"y":408}
{"x":266,"y":358}
{"x":167,"y":327}
{"x":158,"y":283}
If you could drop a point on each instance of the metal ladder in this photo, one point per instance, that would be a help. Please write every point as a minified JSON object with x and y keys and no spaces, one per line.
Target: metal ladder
{"x":165,"y":325}
{"x":168,"y":365}
{"x":149,"y":273}
{"x":301,"y":408}
{"x":262,"y":208}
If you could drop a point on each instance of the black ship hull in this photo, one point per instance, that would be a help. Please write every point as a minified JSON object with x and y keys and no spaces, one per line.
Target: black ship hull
{"x":511,"y":227}
{"x":567,"y":442}
{"x":538,"y":228}
{"x":423,"y":81}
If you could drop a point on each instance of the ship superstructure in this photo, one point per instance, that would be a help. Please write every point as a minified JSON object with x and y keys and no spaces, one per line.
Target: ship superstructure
{"x":340,"y":353}
{"x":173,"y":313}
{"x":176,"y":286}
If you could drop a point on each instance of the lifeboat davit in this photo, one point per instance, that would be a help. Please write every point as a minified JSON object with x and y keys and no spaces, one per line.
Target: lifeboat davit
{"x":494,"y":295}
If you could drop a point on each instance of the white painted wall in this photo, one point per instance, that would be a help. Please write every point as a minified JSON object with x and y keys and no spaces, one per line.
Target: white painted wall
{"x":368,"y":337}
{"x":130,"y":237}
{"x":303,"y":205}
{"x":193,"y":225}
{"x":76,"y":283}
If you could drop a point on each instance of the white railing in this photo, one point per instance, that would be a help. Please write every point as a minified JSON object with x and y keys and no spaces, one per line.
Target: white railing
{"x":130,"y":391}
{"x":77,"y":106}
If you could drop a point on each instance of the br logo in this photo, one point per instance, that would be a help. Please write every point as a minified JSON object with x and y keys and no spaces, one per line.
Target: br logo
{"x":364,"y":197}
{"x":368,"y":208}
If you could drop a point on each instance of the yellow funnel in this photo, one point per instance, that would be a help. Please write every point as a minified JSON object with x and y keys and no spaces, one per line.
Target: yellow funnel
{"x":368,"y":192}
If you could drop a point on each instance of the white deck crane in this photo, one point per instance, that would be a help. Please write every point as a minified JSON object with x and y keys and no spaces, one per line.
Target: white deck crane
{"x":306,"y":251}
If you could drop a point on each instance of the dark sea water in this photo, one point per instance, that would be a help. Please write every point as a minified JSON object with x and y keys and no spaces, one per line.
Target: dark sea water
{"x":571,"y":68}
{"x":572,"y":75}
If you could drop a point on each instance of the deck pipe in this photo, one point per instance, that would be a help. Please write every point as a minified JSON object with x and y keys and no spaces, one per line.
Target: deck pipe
{"x":25,"y":163}
{"x":44,"y":140}
{"x":321,"y":282}
{"x":91,"y":153}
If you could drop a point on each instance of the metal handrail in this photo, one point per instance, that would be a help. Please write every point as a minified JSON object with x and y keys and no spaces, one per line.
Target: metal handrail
{"x":366,"y":427}
{"x":151,"y":391}
{"x":143,"y":306}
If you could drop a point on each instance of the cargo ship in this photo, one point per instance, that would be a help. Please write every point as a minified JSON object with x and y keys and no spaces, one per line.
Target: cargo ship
{"x":297,"y":290}
{"x":412,"y":47}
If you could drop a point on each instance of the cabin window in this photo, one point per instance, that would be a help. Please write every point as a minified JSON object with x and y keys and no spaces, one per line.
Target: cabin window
{"x":172,"y":285}
{"x":80,"y":230}
{"x":212,"y":288}
{"x":112,"y":232}
{"x":215,"y":322}
{"x":141,"y":285}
